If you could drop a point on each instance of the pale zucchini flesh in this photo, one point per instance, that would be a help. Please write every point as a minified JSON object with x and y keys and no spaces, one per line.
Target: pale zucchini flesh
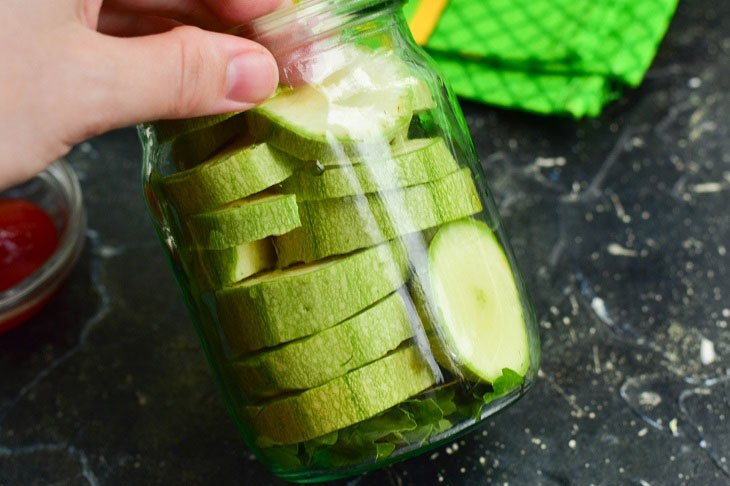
{"x":347,"y":115}
{"x":218,"y":268}
{"x":478,"y":307}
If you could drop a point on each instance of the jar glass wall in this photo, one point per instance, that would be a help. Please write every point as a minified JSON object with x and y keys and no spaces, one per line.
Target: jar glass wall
{"x":339,"y":251}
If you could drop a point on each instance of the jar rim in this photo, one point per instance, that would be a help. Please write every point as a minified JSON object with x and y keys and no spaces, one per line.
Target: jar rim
{"x":310,"y":8}
{"x":305,"y":21}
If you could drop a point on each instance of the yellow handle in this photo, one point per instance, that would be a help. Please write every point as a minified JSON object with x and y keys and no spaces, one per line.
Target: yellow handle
{"x":425,"y":18}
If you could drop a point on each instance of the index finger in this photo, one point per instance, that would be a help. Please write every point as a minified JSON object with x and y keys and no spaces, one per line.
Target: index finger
{"x":234,"y":12}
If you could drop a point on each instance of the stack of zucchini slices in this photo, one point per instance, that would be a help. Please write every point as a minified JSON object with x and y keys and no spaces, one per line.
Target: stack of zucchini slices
{"x":296,"y":214}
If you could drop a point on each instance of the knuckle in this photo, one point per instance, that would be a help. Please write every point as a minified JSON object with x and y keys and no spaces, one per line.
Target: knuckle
{"x":189,"y":94}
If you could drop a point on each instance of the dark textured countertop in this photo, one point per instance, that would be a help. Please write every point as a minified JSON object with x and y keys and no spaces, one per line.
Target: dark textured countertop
{"x":621,"y":226}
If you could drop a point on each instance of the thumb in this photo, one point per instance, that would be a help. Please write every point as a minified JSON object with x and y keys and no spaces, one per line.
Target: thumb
{"x":181,"y":73}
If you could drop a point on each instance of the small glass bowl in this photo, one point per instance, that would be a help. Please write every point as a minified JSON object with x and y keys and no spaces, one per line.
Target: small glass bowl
{"x":57,"y":191}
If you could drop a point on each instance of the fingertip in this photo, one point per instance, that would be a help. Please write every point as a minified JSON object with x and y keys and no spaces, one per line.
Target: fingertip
{"x":252,"y":77}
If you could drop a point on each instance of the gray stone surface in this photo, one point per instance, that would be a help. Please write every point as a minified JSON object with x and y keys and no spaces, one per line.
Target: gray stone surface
{"x":621,"y":226}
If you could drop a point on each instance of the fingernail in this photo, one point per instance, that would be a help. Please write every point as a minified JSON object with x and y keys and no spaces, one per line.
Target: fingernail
{"x":252,"y":77}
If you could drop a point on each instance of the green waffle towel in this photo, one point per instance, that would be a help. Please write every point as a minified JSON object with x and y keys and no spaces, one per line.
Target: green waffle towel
{"x":547,"y":56}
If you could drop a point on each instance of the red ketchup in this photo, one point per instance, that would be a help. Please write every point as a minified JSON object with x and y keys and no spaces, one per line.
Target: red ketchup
{"x":28,"y":238}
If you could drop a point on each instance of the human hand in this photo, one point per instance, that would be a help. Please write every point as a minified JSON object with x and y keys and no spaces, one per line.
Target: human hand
{"x":72,"y":69}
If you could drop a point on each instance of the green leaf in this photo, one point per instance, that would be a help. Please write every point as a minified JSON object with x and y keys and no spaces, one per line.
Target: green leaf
{"x":264,"y":442}
{"x":384,"y":449}
{"x":445,"y":400}
{"x":427,"y":415}
{"x":373,"y":438}
{"x":285,"y":457}
{"x":425,"y":411}
{"x":502,"y":386}
{"x":313,"y":445}
{"x":442,"y":426}
{"x":390,"y":421}
{"x":414,"y":421}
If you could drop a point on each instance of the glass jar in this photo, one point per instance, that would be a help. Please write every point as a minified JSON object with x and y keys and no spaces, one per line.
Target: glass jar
{"x":339,"y":251}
